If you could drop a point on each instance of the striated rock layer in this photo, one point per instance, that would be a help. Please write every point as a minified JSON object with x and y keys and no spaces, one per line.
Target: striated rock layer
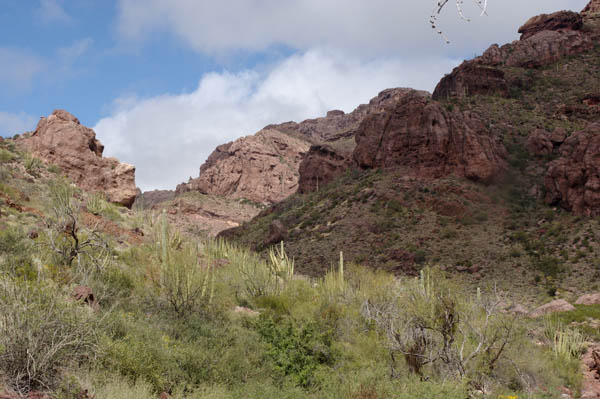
{"x":430,"y":141}
{"x":60,"y":139}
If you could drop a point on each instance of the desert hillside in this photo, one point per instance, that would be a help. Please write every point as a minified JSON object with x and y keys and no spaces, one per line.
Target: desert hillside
{"x":442,"y":245}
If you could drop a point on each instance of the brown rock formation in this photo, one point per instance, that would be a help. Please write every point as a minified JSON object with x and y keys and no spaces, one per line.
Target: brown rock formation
{"x":557,"y":306}
{"x":321,"y":165}
{"x":573,"y":180}
{"x":470,"y":79}
{"x":61,"y":140}
{"x":558,"y":21}
{"x":261,"y":168}
{"x":265,"y":167}
{"x":430,"y":140}
{"x":539,"y":143}
{"x":589,"y":299}
{"x":544,"y":39}
{"x":338,"y":125}
{"x":592,"y":9}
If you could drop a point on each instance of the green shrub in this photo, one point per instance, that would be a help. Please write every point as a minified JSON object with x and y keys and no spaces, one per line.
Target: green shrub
{"x":183,"y":280}
{"x":6,"y":156}
{"x":32,"y":164}
{"x":297,"y":350}
{"x":15,"y":254}
{"x":41,"y":333}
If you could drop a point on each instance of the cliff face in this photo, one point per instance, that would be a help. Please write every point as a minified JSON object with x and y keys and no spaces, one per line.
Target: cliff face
{"x":260,"y":168}
{"x":429,"y":142}
{"x":60,"y":139}
{"x":265,"y":167}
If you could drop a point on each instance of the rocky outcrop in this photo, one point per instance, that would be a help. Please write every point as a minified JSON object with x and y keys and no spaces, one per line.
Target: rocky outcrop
{"x":338,"y":125}
{"x":430,"y":141}
{"x":589,"y":299}
{"x":262,"y":168}
{"x":539,"y":143}
{"x":558,"y":21}
{"x":60,"y":139}
{"x":470,"y":79}
{"x":557,"y":306}
{"x":592,"y":10}
{"x":265,"y":167}
{"x":320,"y":166}
{"x":573,"y":180}
{"x":544,"y":39}
{"x":590,"y":385}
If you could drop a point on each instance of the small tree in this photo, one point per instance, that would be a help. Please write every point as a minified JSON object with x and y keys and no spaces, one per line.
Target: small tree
{"x":430,"y":323}
{"x":41,"y":333}
{"x":66,"y":237}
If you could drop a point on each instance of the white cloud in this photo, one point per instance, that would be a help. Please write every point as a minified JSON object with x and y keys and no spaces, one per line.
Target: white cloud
{"x":51,"y":11}
{"x":374,"y":27}
{"x":19,"y":68}
{"x":168,"y":137}
{"x":16,"y":123}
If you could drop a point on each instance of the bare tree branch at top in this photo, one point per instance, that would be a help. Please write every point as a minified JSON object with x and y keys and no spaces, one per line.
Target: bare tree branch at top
{"x":482,"y":4}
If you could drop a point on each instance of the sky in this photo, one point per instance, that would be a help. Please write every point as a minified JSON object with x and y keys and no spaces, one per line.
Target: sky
{"x":163,"y":82}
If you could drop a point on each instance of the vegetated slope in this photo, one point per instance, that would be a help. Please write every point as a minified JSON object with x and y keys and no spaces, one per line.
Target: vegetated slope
{"x":107,"y":302}
{"x":496,"y":177}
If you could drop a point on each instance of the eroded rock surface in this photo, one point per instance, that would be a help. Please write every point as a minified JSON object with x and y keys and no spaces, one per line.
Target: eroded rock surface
{"x":320,"y":166}
{"x":558,"y":21}
{"x":262,"y":168}
{"x":430,"y":140}
{"x":573,"y":180}
{"x":60,"y":139}
{"x":265,"y":167}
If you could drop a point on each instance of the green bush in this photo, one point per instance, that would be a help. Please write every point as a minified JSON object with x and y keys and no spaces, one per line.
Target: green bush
{"x":15,"y":254}
{"x":41,"y":333}
{"x":297,"y":350}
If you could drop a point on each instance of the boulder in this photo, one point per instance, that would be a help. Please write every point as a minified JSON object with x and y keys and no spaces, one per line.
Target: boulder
{"x":470,"y":79}
{"x":573,"y":180}
{"x":556,"y":306}
{"x":245,"y":311}
{"x":320,"y":165}
{"x":61,"y":140}
{"x":558,"y":21}
{"x":84,"y":294}
{"x":589,"y":299}
{"x":539,"y":143}
{"x":429,"y":141}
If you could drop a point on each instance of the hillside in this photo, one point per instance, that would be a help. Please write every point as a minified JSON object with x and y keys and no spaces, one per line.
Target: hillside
{"x":496,"y":174}
{"x":423,"y":246}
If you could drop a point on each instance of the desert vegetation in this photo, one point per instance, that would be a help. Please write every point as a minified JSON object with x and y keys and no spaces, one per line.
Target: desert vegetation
{"x":198,"y":318}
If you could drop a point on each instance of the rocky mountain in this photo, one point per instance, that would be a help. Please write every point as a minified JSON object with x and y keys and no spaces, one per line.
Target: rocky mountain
{"x":264,"y":167}
{"x":61,"y":140}
{"x":483,"y":176}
